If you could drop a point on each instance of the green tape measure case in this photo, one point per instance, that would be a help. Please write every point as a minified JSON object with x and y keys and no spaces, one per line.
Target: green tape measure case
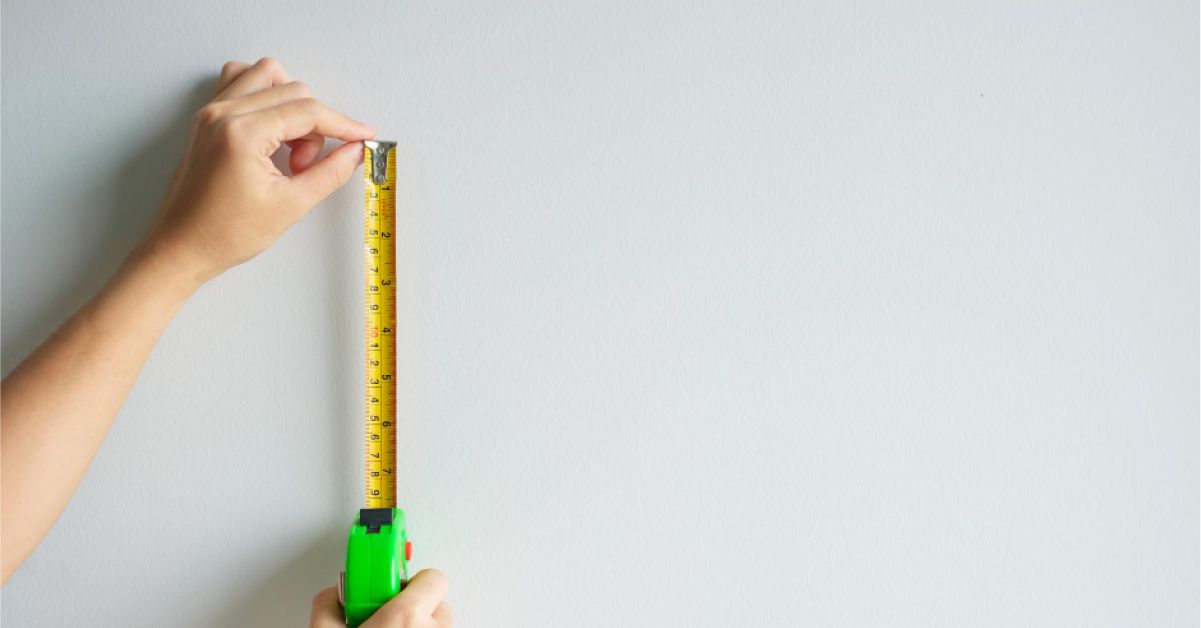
{"x":377,"y":560}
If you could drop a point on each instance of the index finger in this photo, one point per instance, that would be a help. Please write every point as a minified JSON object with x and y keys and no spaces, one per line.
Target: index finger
{"x":306,"y":116}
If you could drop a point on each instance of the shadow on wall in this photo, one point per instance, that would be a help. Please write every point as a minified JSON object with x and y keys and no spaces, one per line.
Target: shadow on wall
{"x":133,"y":196}
{"x":284,"y":598}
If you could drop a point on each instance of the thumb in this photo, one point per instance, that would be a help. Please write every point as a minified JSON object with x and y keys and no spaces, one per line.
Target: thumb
{"x":330,"y":173}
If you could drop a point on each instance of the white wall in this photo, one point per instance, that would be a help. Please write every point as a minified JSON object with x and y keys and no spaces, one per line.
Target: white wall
{"x":712,"y":314}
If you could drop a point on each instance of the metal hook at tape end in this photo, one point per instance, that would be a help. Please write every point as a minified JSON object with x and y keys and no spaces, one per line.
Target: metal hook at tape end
{"x":379,"y":159}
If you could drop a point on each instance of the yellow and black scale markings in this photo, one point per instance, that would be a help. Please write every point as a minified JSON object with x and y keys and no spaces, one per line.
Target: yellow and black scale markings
{"x":379,"y":172}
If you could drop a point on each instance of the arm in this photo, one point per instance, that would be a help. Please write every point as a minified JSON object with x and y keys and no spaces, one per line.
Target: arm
{"x":49,"y":438}
{"x":226,"y":204}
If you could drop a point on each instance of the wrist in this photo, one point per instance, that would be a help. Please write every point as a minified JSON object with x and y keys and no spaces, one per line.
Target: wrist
{"x":175,"y":273}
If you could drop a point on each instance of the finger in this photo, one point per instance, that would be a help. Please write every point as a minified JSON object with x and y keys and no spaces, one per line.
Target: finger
{"x":266,"y":73}
{"x":230,"y":71}
{"x":298,"y":118}
{"x":443,"y":614}
{"x":267,"y":98}
{"x":304,"y":152}
{"x":327,"y":612}
{"x":424,"y":592}
{"x":326,"y":175}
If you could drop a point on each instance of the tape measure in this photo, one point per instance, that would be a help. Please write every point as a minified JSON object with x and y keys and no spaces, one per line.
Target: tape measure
{"x":379,"y":250}
{"x":378,"y":550}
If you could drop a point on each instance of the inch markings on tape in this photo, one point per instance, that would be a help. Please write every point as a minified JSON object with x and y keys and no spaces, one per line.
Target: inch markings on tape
{"x":379,"y":173}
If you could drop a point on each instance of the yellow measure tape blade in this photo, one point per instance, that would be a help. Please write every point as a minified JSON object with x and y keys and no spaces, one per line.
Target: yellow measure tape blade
{"x":379,"y":172}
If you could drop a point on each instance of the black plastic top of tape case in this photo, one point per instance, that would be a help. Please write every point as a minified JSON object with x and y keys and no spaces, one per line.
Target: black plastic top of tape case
{"x":373,"y":518}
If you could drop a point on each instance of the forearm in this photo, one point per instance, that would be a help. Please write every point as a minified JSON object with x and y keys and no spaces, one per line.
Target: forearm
{"x":57,"y":406}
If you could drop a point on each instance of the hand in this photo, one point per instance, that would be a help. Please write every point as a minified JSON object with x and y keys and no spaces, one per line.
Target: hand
{"x":419,"y":605}
{"x":227,"y":201}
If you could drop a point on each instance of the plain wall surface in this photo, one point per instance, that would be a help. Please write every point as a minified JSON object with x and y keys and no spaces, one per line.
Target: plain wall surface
{"x":711,"y":314}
